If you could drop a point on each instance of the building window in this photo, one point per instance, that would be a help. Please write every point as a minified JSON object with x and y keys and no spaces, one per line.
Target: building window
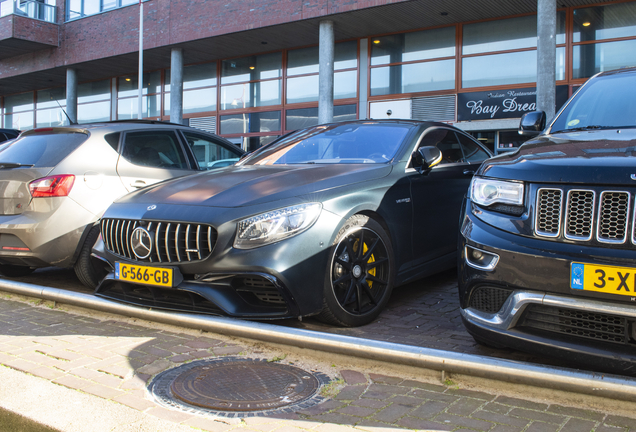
{"x":251,"y":82}
{"x":199,"y":89}
{"x":127,"y":91}
{"x":93,"y":102}
{"x":302,"y":73}
{"x":50,"y":108}
{"x":306,"y":117}
{"x":18,"y":111}
{"x":413,"y":62}
{"x":603,"y":23}
{"x":504,"y":52}
{"x":76,"y":9}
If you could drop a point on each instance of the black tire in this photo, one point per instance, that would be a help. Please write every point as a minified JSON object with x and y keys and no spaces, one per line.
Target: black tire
{"x":15,"y":271}
{"x":90,"y":271}
{"x":358,"y":280}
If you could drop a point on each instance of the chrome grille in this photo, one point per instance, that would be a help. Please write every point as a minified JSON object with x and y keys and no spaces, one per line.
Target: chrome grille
{"x":612,"y":217}
{"x":548,"y":212}
{"x":580,"y":214}
{"x":173,"y":242}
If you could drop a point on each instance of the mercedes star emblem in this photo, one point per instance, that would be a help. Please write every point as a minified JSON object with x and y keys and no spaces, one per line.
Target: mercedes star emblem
{"x":141,"y":242}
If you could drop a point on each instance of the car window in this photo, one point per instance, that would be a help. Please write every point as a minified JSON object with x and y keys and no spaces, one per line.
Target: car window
{"x":473,"y":153}
{"x":210,"y":154}
{"x":157,"y":149}
{"x":446,"y":141}
{"x":42,"y":149}
{"x":339,"y":143}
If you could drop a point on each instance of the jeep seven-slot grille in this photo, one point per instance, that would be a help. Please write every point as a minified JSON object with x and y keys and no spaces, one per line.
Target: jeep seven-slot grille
{"x":585,"y":215}
{"x":578,"y":323}
{"x":172,"y":242}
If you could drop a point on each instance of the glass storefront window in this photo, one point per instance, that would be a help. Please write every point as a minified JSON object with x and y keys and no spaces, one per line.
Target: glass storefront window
{"x":195,"y":76}
{"x":195,"y":101}
{"x":127,"y":108}
{"x":413,"y":77}
{"x":508,"y":68}
{"x":590,"y":59}
{"x":50,"y":98}
{"x":93,"y":91}
{"x":305,"y":88}
{"x":307,"y":117}
{"x":19,"y":102}
{"x":51,"y":117}
{"x":94,"y":112}
{"x":127,"y":85}
{"x":405,"y":47}
{"x":253,"y":68}
{"x":605,"y":22}
{"x":251,"y":122}
{"x":506,"y":34}
{"x":22,"y":121}
{"x":305,"y":60}
{"x":248,"y":95}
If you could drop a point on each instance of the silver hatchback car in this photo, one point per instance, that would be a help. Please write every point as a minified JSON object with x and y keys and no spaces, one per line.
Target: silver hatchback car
{"x":55,"y":184}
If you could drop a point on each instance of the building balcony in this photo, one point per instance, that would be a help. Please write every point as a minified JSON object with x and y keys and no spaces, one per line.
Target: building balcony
{"x":26,"y":26}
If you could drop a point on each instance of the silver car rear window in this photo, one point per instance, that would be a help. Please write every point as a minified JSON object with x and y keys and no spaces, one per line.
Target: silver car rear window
{"x":42,"y":150}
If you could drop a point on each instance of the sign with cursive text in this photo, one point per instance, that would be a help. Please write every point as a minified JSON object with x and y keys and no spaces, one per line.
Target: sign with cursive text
{"x":501,"y":104}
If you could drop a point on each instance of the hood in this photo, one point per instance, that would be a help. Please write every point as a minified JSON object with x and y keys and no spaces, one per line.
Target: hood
{"x":14,"y":187}
{"x":590,"y":157}
{"x":239,"y":186}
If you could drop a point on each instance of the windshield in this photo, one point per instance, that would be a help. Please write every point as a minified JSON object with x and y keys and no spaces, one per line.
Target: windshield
{"x":606,"y":102}
{"x":350,"y":143}
{"x":41,"y":150}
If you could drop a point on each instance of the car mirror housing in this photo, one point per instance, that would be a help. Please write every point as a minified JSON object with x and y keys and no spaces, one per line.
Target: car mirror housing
{"x":532,"y":123}
{"x":426,"y":157}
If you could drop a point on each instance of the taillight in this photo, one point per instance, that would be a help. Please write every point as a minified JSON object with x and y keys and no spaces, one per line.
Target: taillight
{"x":59,"y":185}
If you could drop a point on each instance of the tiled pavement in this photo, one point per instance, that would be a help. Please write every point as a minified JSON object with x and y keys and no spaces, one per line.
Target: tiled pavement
{"x":114,"y":359}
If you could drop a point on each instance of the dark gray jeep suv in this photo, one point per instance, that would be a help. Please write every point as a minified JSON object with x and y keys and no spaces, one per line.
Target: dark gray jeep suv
{"x":548,"y":236}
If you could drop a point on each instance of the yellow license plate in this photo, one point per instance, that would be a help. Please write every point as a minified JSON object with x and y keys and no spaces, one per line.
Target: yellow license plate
{"x":156,"y":276}
{"x":602,"y":278}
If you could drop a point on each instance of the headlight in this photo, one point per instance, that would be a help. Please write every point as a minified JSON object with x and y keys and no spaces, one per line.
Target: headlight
{"x":485,"y":191}
{"x":276,"y":225}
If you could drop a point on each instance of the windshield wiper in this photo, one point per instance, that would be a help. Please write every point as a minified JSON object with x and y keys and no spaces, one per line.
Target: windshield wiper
{"x":4,"y":165}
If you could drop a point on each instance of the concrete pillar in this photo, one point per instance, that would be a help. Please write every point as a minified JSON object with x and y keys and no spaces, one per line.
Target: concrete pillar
{"x":71,"y":95}
{"x":326,"y":51}
{"x":546,"y":56}
{"x":176,"y":85}
{"x":363,"y":109}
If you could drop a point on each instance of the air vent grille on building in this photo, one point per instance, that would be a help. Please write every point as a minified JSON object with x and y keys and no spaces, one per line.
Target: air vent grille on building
{"x":437,"y":108}
{"x":207,"y":124}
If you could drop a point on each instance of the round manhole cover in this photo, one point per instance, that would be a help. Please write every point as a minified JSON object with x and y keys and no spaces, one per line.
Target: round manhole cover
{"x":237,"y":387}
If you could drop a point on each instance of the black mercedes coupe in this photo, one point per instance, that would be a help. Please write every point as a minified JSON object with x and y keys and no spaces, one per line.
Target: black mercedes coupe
{"x":324,"y":221}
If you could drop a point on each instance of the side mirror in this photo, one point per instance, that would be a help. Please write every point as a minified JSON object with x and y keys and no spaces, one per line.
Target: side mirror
{"x":426,"y":157}
{"x":532,"y":123}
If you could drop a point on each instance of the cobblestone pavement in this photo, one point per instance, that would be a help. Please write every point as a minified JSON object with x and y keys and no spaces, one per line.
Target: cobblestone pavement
{"x":115,"y":359}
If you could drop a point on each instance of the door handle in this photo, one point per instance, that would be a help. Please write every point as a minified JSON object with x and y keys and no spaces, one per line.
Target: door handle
{"x":138,"y":184}
{"x":469,"y":172}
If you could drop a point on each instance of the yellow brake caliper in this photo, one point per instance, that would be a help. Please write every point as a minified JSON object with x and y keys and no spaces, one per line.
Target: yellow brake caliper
{"x":371,"y":259}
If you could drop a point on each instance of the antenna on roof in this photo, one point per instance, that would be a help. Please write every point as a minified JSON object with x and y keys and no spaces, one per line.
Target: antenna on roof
{"x":71,"y":122}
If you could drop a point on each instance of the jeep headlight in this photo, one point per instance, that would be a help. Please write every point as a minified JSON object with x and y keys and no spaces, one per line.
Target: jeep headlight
{"x":275,"y":225}
{"x":485,"y":192}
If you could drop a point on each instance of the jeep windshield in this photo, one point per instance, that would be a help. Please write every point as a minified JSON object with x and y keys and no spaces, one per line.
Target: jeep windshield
{"x":605,"y":102}
{"x":368,"y":143}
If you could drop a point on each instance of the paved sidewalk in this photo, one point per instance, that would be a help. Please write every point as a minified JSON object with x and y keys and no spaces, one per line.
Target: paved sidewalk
{"x":114,"y":359}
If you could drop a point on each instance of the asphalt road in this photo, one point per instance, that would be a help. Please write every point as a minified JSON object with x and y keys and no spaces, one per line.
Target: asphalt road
{"x":424,"y":313}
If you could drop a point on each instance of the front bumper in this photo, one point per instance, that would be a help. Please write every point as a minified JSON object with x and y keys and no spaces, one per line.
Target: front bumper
{"x":281,"y":280}
{"x":525,"y":301}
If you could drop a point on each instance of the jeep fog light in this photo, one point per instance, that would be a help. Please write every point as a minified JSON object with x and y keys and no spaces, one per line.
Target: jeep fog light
{"x":480,"y":259}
